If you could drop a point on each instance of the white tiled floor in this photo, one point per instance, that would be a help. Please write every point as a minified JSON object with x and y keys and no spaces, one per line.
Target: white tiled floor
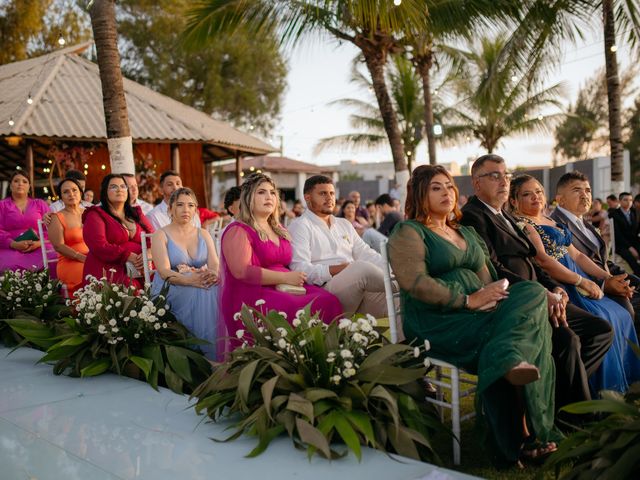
{"x":111,"y":427}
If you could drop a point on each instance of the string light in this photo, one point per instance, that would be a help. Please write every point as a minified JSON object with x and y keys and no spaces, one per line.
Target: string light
{"x":103,"y":167}
{"x":397,"y":2}
{"x":29,"y":99}
{"x":11,"y":122}
{"x":614,"y":48}
{"x":61,"y":40}
{"x":514,"y":78}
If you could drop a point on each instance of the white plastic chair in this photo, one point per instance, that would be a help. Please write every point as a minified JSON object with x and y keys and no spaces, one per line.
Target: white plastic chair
{"x":145,"y":258}
{"x":450,"y":381}
{"x":45,"y":256}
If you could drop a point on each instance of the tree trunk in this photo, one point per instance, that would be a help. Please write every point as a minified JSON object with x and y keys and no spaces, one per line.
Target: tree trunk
{"x":613,"y":97}
{"x":103,"y":23}
{"x":423,"y":64}
{"x":375,"y":59}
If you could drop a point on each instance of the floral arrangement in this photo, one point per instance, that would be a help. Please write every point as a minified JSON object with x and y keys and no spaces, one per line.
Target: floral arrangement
{"x":607,"y":448}
{"x":27,"y":294}
{"x":322,"y":384}
{"x":125,"y":331}
{"x":148,"y":181}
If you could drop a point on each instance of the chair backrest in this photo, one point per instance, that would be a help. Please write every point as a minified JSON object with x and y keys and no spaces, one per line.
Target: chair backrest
{"x":612,"y":241}
{"x":392,"y":298}
{"x":43,"y":246}
{"x":145,"y":257}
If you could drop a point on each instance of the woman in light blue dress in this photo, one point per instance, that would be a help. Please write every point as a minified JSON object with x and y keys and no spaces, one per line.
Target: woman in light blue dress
{"x":185,"y":259}
{"x":564,"y":263}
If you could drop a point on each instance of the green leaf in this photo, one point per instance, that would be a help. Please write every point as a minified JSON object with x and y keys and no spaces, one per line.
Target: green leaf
{"x":348,"y":434}
{"x":384,"y":353}
{"x":71,"y":341}
{"x":267,"y":392}
{"x":179,"y":362}
{"x":315,"y":394}
{"x":174,"y":382}
{"x":143,"y":364}
{"x":300,"y":405}
{"x":609,"y":406}
{"x":154,"y":353}
{"x":389,"y":375}
{"x":265,"y":440}
{"x":245,"y":380}
{"x":362,"y":422}
{"x":312,"y":436}
{"x":627,"y":465}
{"x":382,"y":393}
{"x":97,"y":367}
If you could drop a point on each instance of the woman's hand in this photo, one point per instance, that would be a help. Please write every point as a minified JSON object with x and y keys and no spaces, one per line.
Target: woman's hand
{"x":487,"y":297}
{"x":23,"y":246}
{"x":201,"y":279}
{"x":294,"y":278}
{"x":592,"y":289}
{"x":136,"y":259}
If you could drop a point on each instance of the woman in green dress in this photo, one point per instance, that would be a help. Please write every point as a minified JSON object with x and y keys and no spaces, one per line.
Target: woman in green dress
{"x":451,"y":297}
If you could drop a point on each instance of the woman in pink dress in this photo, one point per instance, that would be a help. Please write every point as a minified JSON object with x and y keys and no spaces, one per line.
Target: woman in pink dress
{"x":112,"y":232}
{"x":256,"y":250}
{"x":18,"y":214}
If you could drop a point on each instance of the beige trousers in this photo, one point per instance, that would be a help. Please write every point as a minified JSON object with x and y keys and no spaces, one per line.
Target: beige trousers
{"x":360,"y":289}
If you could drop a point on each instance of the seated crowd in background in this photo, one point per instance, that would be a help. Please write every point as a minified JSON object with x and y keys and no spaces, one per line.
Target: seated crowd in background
{"x":528,"y":301}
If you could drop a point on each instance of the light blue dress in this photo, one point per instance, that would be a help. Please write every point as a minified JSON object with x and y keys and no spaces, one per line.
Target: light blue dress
{"x":196,"y":308}
{"x":620,"y":367}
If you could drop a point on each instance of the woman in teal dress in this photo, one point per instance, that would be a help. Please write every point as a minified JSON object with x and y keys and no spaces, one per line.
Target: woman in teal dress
{"x":451,"y":297}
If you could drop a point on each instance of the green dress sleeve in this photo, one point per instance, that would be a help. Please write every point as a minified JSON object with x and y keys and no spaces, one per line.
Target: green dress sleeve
{"x":408,"y":256}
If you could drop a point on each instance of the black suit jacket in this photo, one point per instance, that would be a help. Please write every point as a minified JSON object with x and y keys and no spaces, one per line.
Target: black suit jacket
{"x":511,"y":252}
{"x":626,"y":235}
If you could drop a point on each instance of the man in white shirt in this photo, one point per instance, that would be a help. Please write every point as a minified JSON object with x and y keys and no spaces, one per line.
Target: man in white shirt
{"x":134,"y":200}
{"x":332,"y":254}
{"x":170,"y":181}
{"x":79,"y":177}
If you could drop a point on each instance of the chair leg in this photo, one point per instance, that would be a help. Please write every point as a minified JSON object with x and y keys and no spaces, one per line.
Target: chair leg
{"x":455,"y":414}
{"x":439,"y":391}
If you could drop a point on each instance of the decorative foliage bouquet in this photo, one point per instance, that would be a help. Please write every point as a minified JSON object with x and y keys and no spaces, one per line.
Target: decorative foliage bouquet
{"x":322,"y":384}
{"x":30,"y":295}
{"x":126,"y":331}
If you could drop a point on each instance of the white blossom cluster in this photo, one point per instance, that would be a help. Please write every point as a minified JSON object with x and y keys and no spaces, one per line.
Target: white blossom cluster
{"x":25,"y":289}
{"x":120,"y":313}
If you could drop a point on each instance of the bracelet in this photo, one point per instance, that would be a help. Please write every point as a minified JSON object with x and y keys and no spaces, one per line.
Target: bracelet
{"x":579,"y":281}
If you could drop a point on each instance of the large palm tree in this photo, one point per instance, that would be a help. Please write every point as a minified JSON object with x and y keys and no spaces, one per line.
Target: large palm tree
{"x":105,"y":34}
{"x":370,"y":25}
{"x":497,"y":100}
{"x":549,"y":22}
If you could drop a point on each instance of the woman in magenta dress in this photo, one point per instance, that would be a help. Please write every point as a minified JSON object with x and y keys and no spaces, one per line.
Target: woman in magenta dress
{"x":256,"y":250}
{"x":112,"y":232}
{"x":18,"y":214}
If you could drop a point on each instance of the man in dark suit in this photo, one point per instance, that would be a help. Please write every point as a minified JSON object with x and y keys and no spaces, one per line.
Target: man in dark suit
{"x":580,"y":340}
{"x":625,"y":226}
{"x":573,"y":194}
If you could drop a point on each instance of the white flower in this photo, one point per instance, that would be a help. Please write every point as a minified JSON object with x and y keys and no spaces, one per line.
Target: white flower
{"x":240,"y":333}
{"x":156,"y":326}
{"x":427,"y":345}
{"x":296,"y":322}
{"x":299,"y":313}
{"x":336,"y":379}
{"x":283,"y":314}
{"x":136,"y":335}
{"x":302,"y":343}
{"x":358,"y":337}
{"x":118,"y":304}
{"x":282,"y":343}
{"x":115,"y":329}
{"x":416,"y":352}
{"x":38,"y":288}
{"x":348,"y":372}
{"x":260,"y":302}
{"x":427,"y":363}
{"x":98,"y":306}
{"x":346,"y":354}
{"x":88,"y":321}
{"x":164,"y":325}
{"x":348,"y":364}
{"x":161,"y":312}
{"x":113,"y":322}
{"x":282,"y":331}
{"x":102,"y":329}
{"x":237,"y":316}
{"x":133,"y":314}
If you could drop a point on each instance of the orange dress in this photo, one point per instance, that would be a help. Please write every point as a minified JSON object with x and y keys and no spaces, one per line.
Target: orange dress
{"x":69,"y":270}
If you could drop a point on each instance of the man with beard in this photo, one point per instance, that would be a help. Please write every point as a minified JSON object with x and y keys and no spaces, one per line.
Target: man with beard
{"x":332,"y":254}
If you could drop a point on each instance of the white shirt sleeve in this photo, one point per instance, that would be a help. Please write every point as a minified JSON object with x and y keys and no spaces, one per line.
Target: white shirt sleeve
{"x":152,"y":217}
{"x":362,"y":251}
{"x":301,"y":232}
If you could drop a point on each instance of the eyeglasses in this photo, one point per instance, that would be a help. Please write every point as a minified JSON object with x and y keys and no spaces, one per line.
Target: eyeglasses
{"x":115,"y":188}
{"x":497,"y":176}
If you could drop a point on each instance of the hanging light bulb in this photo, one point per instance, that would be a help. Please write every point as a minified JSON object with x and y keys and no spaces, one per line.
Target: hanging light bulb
{"x":397,"y":2}
{"x":29,"y":100}
{"x":614,"y":48}
{"x":61,"y":40}
{"x":11,"y":122}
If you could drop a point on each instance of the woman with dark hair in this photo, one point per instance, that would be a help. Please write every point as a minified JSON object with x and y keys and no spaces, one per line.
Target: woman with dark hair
{"x":348,"y":211}
{"x":256,"y":250}
{"x":65,"y":234}
{"x":112,"y":232}
{"x":578,"y":274}
{"x":19,"y":215}
{"x":452,"y":298}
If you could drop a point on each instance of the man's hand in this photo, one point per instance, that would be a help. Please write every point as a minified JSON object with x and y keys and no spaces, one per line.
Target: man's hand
{"x":336,"y":269}
{"x":634,"y":252}
{"x":618,"y":285}
{"x":557,"y":301}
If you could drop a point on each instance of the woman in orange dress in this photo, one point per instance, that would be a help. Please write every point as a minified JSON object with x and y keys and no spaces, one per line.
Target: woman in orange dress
{"x":65,"y":234}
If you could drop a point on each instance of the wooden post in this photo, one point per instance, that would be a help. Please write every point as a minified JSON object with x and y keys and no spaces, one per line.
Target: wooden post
{"x":238,"y":168}
{"x":30,"y":167}
{"x":175,"y":157}
{"x":206,"y":175}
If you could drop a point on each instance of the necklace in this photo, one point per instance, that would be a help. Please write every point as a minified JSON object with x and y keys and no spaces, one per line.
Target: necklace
{"x":444,"y":230}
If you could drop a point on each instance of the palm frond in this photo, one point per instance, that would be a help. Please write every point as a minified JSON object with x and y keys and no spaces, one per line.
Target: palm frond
{"x":350,"y":142}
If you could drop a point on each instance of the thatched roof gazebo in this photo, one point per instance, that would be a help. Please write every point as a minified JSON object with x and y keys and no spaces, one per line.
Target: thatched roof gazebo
{"x":51,"y":113}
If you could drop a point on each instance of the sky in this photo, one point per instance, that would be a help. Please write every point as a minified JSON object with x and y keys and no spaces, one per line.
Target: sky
{"x":319,"y":73}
